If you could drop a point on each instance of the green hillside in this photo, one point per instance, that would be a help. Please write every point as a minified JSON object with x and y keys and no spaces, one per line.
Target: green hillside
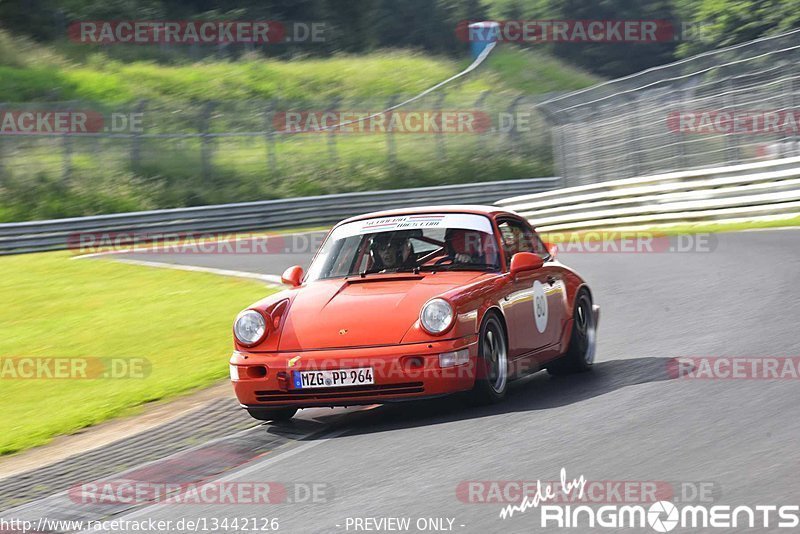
{"x":58,"y":176}
{"x":34,"y":72}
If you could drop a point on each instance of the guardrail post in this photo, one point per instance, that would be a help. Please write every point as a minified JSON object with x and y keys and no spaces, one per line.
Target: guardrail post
{"x":66,"y":153}
{"x":513,"y":133}
{"x":483,"y":136}
{"x":391,"y":146}
{"x":633,"y":139}
{"x":66,"y":157}
{"x":2,"y":152}
{"x":2,"y":159}
{"x":791,"y":105}
{"x":269,"y":128}
{"x":441,"y":149}
{"x":136,"y":141}
{"x":333,"y":132}
{"x":596,"y":170}
{"x":206,"y":142}
{"x":680,"y":149}
{"x":558,"y":140}
{"x":731,"y":139}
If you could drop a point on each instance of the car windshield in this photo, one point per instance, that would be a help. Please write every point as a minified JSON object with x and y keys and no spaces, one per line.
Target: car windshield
{"x":408,"y":243}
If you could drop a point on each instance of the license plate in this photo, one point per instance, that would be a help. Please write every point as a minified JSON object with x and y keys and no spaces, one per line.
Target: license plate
{"x":333,"y":379}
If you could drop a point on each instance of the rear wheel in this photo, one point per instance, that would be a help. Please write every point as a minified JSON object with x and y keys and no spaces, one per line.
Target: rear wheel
{"x":582,"y":342}
{"x":492,"y":367}
{"x":272,"y":414}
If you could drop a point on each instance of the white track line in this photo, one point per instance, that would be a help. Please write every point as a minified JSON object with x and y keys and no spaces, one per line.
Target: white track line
{"x":270,"y":279}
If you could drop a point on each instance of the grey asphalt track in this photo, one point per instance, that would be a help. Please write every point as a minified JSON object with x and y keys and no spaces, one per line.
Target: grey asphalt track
{"x":628,"y":420}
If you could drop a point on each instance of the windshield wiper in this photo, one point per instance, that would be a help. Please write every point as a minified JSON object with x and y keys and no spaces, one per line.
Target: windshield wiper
{"x":467,"y":267}
{"x":363,"y":274}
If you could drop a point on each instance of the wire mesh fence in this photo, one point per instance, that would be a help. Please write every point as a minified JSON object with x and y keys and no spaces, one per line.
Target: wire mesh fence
{"x":262,"y":137}
{"x":155,"y":154}
{"x":729,"y":106}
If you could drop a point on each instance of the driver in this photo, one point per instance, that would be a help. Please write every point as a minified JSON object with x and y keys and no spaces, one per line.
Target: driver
{"x":392,"y":251}
{"x":465,"y":246}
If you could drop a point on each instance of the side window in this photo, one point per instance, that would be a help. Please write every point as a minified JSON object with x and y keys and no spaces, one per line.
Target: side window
{"x":517,"y":237}
{"x":539,"y":247}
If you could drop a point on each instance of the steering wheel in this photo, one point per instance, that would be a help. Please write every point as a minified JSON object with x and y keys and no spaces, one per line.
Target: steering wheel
{"x":442,"y":261}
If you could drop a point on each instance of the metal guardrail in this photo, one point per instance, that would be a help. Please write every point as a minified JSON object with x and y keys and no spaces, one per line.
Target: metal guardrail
{"x":38,"y":236}
{"x":753,"y":190}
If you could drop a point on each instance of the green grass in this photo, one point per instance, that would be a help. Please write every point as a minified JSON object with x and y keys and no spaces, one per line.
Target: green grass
{"x":54,"y":306}
{"x":676,"y":228}
{"x":534,"y":71}
{"x":30,"y":71}
{"x":37,"y":72}
{"x":737,"y":226}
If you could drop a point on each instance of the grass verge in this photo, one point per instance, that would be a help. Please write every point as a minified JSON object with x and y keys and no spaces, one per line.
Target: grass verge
{"x":722,"y":226}
{"x":57,"y":308}
{"x":673,"y":229}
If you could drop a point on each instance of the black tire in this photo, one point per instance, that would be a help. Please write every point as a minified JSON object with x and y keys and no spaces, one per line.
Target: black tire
{"x":579,"y":356}
{"x":491,"y":379}
{"x":272,"y":414}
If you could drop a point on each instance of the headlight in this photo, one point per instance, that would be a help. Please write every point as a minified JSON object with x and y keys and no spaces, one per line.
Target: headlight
{"x":436,"y":316}
{"x":249,"y":327}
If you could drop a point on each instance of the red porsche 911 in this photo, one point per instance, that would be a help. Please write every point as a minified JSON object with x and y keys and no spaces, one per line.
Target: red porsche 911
{"x":414,"y":303}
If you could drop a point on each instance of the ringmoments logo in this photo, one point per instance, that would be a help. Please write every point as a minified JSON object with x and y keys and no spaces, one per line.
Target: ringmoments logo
{"x":660,"y":516}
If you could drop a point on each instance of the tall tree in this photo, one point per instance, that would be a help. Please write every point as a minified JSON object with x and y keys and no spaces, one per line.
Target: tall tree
{"x":720,"y":23}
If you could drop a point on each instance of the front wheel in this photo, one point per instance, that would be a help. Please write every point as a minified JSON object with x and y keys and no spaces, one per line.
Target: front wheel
{"x":582,"y":342}
{"x":492,"y":367}
{"x":272,"y":414}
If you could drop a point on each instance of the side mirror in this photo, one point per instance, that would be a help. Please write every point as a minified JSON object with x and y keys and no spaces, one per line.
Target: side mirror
{"x":292,"y":276}
{"x":525,"y":261}
{"x":552,"y":249}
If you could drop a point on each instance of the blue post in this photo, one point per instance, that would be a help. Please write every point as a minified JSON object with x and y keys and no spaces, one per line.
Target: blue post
{"x":480,"y":34}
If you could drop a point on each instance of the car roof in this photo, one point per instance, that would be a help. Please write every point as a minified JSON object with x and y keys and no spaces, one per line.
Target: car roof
{"x":448,"y":208}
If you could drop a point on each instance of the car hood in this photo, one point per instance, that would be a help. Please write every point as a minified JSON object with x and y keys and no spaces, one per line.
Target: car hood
{"x":375,"y":310}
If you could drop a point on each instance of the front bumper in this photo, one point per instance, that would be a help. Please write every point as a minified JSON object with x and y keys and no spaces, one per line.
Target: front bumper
{"x":400,"y":372}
